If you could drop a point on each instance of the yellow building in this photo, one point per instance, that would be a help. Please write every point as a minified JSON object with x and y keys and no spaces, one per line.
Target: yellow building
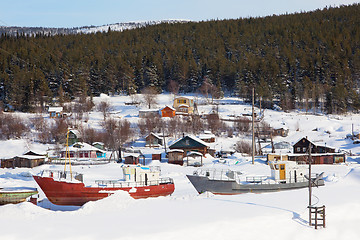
{"x":184,"y":105}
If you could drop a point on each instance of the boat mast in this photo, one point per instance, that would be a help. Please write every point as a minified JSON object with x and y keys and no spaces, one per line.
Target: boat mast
{"x":67,"y":154}
{"x":253,"y":121}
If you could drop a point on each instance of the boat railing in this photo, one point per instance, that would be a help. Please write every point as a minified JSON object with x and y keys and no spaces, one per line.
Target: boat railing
{"x":123,"y":184}
{"x":218,"y":174}
{"x":62,"y":175}
{"x":269,"y":180}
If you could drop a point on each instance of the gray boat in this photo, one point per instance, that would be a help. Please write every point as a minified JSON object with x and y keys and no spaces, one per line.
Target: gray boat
{"x":285,"y":175}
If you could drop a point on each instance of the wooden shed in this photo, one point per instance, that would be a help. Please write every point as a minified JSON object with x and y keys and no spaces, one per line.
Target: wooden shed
{"x":153,"y":140}
{"x":176,"y":156}
{"x":168,"y":112}
{"x":134,"y":158}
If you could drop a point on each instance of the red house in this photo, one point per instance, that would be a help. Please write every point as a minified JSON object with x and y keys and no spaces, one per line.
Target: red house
{"x":168,"y":112}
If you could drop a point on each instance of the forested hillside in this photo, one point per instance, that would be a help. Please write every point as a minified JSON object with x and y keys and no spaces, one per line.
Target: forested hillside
{"x":296,"y":59}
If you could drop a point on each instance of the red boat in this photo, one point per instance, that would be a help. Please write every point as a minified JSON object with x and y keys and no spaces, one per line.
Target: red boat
{"x":62,"y":188}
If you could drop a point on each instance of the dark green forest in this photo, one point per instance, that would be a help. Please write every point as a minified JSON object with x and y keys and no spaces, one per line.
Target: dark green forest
{"x":307,"y":60}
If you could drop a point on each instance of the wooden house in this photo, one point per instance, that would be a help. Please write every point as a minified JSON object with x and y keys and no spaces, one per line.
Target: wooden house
{"x":74,"y":137}
{"x":148,"y":113}
{"x":99,"y":145}
{"x":55,"y":112}
{"x":283,"y":132}
{"x":83,"y":151}
{"x":207,"y":137}
{"x":168,"y":112}
{"x":29,"y":159}
{"x":153,"y":140}
{"x":176,"y":156}
{"x":303,"y":144}
{"x":134,"y":158}
{"x":190,"y":144}
{"x":184,"y":105}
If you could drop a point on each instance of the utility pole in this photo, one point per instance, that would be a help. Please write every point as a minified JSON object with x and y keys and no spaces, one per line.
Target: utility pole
{"x":253,"y":123}
{"x":310,"y":183}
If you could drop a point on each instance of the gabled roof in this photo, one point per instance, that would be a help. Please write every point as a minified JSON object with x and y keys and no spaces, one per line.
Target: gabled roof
{"x":314,"y":144}
{"x":82,"y":146}
{"x":193,"y":142}
{"x":171,"y":108}
{"x":153,"y":134}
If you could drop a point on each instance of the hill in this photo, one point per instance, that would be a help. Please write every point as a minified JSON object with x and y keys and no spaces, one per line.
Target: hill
{"x":305,"y":60}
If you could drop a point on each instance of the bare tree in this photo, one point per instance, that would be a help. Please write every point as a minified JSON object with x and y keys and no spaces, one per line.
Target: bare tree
{"x":104,"y":107}
{"x":243,"y":147}
{"x":150,"y":96}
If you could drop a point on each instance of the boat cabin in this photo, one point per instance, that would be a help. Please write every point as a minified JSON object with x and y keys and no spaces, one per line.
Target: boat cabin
{"x":142,"y":174}
{"x":287,"y":171}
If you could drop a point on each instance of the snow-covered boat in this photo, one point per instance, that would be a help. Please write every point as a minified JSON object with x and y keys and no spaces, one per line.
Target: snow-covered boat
{"x":66,"y":188}
{"x":285,"y":175}
{"x":16,"y":194}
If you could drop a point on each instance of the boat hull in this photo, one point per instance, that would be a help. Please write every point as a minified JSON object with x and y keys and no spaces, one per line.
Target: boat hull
{"x":77,"y":194}
{"x":231,"y":187}
{"x":16,"y":195}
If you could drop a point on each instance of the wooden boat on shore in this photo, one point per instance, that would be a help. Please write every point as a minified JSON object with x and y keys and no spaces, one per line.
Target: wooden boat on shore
{"x":140,"y":182}
{"x":16,"y":194}
{"x":285,"y":175}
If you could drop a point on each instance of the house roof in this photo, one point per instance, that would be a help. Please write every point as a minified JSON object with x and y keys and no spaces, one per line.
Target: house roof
{"x":82,"y":147}
{"x":171,"y":108}
{"x":315,"y":144}
{"x":193,"y":142}
{"x":31,"y":157}
{"x":153,"y":134}
{"x":180,"y":97}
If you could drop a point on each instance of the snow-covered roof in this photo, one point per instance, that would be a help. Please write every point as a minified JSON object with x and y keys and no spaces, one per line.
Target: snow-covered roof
{"x":55,"y":109}
{"x":169,"y":107}
{"x":82,"y":147}
{"x":31,"y":157}
{"x":149,"y":110}
{"x":175,"y":150}
{"x":193,"y":138}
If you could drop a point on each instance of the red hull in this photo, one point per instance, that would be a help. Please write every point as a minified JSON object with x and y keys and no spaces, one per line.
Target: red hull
{"x":76,"y":194}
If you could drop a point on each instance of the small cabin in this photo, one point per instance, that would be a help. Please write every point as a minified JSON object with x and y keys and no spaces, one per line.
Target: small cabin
{"x":176,"y":156}
{"x":134,"y":158}
{"x":149,"y":113}
{"x":55,"y":112}
{"x":287,"y":172}
{"x":168,"y":112}
{"x":153,"y":140}
{"x":207,"y":137}
{"x":142,"y":174}
{"x":74,"y":137}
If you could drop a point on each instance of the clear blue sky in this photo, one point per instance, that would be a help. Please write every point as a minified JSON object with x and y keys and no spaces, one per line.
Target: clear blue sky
{"x":77,"y":13}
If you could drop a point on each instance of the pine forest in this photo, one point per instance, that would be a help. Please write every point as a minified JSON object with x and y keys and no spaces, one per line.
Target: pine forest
{"x":308,"y":60}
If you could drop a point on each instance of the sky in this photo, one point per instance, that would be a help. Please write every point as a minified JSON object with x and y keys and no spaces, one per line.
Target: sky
{"x":78,"y":13}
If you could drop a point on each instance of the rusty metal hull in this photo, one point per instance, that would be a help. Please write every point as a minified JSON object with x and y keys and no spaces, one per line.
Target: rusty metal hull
{"x":77,"y":194}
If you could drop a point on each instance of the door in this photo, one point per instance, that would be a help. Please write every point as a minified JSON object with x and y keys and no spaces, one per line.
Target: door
{"x":282,"y":172}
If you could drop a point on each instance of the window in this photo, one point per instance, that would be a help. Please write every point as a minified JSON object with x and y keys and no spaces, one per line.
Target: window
{"x":304,"y":149}
{"x":298,"y":149}
{"x":187,"y":142}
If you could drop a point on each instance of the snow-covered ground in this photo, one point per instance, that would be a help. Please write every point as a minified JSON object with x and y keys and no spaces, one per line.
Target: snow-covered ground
{"x":186,"y":214}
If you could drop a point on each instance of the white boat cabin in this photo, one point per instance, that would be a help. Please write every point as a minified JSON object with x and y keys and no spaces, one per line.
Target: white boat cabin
{"x":141,"y":174}
{"x":287,"y":171}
